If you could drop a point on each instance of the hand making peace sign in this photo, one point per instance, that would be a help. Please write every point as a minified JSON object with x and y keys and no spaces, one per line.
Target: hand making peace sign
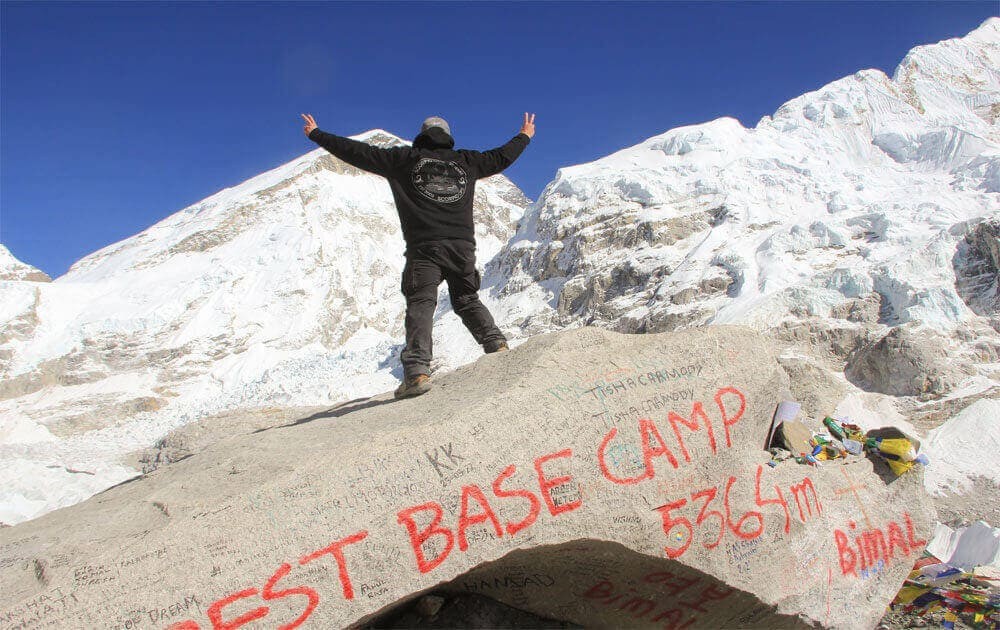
{"x":310,"y":124}
{"x":528,"y":128}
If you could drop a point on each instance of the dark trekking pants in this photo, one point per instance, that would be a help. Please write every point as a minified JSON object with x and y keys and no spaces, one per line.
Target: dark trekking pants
{"x":427,"y":264}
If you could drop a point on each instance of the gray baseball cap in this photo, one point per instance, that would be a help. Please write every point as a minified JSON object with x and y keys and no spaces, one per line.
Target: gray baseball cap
{"x":435,"y":121}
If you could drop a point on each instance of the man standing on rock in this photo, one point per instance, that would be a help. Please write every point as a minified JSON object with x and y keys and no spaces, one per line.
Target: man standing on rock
{"x":433,"y":186}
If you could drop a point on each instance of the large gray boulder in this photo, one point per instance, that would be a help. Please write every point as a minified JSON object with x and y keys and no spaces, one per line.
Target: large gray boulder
{"x":599,"y":478}
{"x":910,"y":360}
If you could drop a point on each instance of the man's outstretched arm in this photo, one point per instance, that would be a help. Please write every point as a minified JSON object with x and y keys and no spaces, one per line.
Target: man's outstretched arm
{"x":360,"y":154}
{"x":495,"y":160}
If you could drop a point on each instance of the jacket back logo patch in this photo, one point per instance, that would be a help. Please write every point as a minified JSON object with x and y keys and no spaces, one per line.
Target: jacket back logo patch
{"x":439,"y":180}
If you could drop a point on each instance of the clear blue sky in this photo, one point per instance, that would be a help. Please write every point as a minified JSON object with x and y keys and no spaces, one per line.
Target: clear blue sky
{"x":116,"y":115}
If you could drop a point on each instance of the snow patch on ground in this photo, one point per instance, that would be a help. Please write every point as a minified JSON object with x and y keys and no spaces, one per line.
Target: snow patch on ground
{"x":966,"y":446}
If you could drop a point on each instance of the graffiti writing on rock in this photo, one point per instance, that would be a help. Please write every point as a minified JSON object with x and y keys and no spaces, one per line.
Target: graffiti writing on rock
{"x":713,"y":524}
{"x":477,"y":509}
{"x":692,"y":591}
{"x":644,"y":407}
{"x":653,"y":445}
{"x":874,"y":548}
{"x":623,"y":380}
{"x":221,"y":620}
{"x":512,"y":501}
{"x":40,"y":609}
{"x":443,"y":459}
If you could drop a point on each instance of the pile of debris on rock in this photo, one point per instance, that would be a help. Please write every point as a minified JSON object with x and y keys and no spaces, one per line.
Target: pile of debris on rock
{"x":840,"y":440}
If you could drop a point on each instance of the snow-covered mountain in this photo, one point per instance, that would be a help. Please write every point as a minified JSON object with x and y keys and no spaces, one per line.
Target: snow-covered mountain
{"x":858,"y":224}
{"x":283,"y":290}
{"x":13,"y":269}
{"x":859,"y":191}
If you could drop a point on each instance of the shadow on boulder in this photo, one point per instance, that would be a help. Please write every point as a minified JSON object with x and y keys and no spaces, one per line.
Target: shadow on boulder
{"x":587,"y":582}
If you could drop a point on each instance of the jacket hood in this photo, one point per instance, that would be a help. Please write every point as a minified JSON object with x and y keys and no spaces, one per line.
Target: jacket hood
{"x":434,"y":138}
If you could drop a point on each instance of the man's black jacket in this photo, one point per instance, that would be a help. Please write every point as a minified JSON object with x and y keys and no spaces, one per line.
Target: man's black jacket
{"x":432,"y":183}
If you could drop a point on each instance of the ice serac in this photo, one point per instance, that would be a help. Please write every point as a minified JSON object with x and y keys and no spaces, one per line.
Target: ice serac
{"x":604,"y":479}
{"x":280,"y":291}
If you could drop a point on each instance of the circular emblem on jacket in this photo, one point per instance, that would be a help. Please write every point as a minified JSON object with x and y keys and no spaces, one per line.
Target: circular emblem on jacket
{"x":439,"y":180}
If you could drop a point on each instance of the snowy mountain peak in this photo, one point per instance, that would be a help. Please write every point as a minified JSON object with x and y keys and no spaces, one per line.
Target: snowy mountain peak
{"x":380,"y":138}
{"x":250,"y":204}
{"x":13,"y":269}
{"x":955,"y":75}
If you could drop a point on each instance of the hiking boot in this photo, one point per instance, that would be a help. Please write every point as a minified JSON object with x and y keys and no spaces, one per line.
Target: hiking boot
{"x":414,"y":386}
{"x":497,"y":345}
